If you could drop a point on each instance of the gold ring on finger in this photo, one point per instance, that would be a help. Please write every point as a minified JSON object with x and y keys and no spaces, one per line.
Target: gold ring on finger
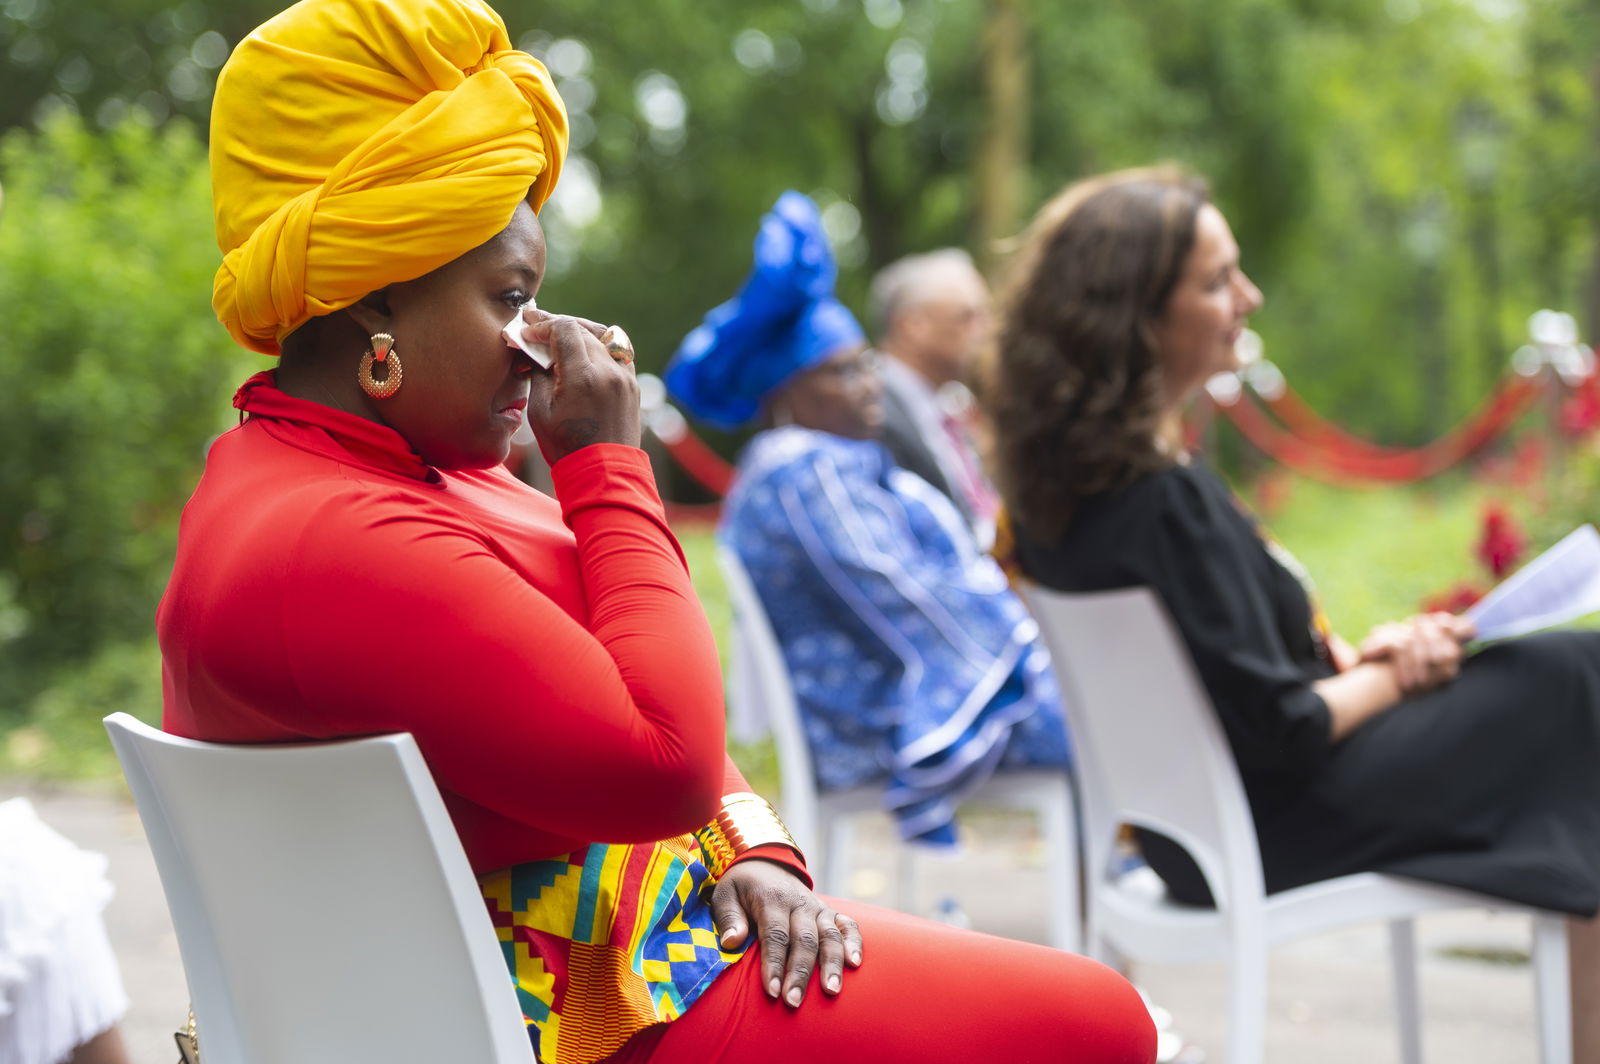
{"x":618,"y":346}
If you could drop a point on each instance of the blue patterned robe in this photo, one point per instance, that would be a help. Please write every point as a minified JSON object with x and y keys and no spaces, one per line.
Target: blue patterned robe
{"x":911,"y":658}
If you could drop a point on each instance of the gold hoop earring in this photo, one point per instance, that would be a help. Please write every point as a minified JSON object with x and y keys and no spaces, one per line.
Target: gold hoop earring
{"x":381,"y":351}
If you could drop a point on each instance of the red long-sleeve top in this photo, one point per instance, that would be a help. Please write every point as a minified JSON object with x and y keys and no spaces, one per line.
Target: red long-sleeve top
{"x":550,"y":657}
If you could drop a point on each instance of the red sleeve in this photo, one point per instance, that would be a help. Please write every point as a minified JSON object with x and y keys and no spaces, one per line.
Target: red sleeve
{"x":611,"y":733}
{"x":733,"y":781}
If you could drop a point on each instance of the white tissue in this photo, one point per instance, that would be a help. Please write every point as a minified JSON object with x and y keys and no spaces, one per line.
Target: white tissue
{"x":512,"y":332}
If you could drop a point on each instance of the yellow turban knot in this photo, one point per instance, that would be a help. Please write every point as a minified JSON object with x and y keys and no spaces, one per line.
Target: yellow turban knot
{"x":357,"y":143}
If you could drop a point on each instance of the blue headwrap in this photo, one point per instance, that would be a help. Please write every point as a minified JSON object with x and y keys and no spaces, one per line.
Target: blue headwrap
{"x":783,"y":319}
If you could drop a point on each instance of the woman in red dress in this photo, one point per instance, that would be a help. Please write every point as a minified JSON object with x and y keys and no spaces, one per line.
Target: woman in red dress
{"x":356,"y":560}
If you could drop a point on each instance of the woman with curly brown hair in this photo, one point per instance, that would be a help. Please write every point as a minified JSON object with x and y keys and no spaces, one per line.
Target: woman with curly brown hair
{"x":1403,"y":755}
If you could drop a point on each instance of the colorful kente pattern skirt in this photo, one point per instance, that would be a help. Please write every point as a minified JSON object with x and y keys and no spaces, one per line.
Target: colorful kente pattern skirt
{"x":606,"y":941}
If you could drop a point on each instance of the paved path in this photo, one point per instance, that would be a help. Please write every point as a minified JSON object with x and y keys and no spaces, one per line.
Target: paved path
{"x":1329,"y":998}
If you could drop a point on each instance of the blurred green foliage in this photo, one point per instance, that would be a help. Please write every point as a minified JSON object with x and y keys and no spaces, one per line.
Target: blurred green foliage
{"x":1570,"y":495}
{"x":1408,"y":179}
{"x":115,"y":379}
{"x":62,"y":737}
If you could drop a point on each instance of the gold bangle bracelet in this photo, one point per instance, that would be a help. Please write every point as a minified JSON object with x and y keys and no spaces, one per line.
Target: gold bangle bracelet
{"x":745,"y":821}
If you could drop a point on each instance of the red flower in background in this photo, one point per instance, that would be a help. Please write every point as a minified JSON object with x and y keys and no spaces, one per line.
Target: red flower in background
{"x":1580,"y":411}
{"x":1457,"y":599}
{"x":1502,"y":542}
{"x":1499,"y":548}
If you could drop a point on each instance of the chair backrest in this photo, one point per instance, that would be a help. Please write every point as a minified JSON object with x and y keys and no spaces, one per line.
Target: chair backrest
{"x":759,"y":689}
{"x":324,"y":906}
{"x":1149,"y":744}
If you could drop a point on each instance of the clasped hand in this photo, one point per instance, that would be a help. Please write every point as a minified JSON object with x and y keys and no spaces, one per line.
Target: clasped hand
{"x":1424,"y":651}
{"x":797,"y":932}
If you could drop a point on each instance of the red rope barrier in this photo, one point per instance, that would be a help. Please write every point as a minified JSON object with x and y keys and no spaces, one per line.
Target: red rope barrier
{"x":1312,"y":427}
{"x":1315,"y":429}
{"x":693,"y":514}
{"x":705,"y":466}
{"x":1352,"y":459}
{"x":1306,"y":441}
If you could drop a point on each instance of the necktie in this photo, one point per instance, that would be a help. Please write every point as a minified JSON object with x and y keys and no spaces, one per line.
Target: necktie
{"x":974,"y":486}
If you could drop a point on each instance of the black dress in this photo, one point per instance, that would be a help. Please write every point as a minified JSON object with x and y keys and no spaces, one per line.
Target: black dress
{"x":1490,"y":783}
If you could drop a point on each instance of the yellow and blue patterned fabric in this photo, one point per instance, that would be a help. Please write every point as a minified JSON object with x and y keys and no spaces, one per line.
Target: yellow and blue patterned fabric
{"x":913,"y":662}
{"x":605,"y":942}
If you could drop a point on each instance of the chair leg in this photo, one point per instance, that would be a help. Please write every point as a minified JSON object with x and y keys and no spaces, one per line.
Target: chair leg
{"x":1552,"y":989}
{"x":834,"y":877}
{"x":1407,"y":1004}
{"x":1247,"y":999}
{"x":905,"y":877}
{"x":1058,"y":826}
{"x":1098,"y":947}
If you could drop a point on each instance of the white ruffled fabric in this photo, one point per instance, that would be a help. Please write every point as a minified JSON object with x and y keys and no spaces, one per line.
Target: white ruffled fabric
{"x":59,"y":982}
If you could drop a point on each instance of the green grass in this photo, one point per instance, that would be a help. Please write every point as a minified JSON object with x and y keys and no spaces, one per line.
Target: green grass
{"x":699,"y":546}
{"x":758,"y":761}
{"x":1375,"y":555}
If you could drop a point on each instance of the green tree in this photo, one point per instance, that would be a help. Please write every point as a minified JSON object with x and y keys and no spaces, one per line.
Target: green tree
{"x":1409,"y":179}
{"x":117,"y":375}
{"x":152,"y":59}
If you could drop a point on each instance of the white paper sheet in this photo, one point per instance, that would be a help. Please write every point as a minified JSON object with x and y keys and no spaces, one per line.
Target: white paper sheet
{"x":1560,"y":585}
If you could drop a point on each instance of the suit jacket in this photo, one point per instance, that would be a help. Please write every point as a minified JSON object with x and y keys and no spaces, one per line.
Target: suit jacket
{"x":903,"y":434}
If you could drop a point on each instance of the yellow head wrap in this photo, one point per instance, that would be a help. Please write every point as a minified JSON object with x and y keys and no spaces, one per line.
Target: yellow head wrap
{"x":357,"y":143}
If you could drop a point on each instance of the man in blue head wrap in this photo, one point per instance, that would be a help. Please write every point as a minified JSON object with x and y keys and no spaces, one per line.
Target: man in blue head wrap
{"x":782,"y":321}
{"x":911,"y":659}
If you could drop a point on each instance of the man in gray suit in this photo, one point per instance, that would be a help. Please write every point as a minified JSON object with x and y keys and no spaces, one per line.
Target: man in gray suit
{"x":931,"y":316}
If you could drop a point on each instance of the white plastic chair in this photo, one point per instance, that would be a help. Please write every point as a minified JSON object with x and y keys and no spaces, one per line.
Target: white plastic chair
{"x":1151,"y":753}
{"x":324,"y":907}
{"x":824,"y":823}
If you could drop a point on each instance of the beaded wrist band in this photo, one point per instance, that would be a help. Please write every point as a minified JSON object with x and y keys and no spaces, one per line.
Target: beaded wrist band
{"x":745,"y":821}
